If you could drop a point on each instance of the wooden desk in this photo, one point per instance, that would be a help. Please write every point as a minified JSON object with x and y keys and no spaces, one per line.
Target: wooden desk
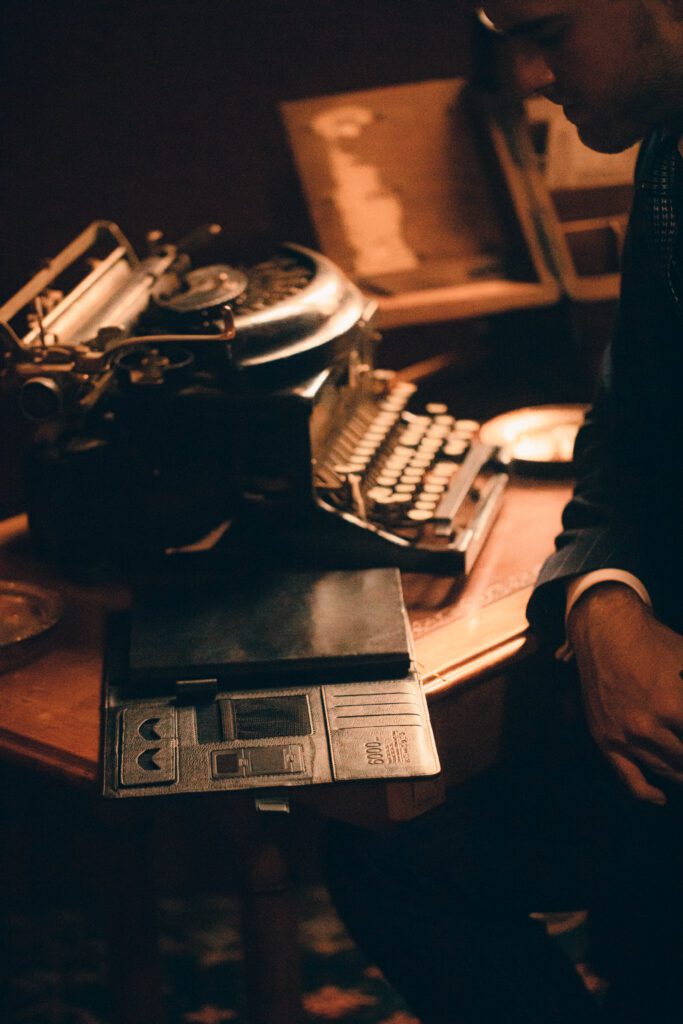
{"x":469,"y":636}
{"x":50,"y":707}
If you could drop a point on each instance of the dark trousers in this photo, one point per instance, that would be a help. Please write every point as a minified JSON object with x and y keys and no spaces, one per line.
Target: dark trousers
{"x":442,"y":903}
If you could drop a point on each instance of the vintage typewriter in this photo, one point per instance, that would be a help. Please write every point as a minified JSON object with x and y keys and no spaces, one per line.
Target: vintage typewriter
{"x":179,"y":408}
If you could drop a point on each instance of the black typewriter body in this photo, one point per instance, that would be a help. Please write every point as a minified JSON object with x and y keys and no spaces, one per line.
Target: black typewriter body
{"x":182,"y":408}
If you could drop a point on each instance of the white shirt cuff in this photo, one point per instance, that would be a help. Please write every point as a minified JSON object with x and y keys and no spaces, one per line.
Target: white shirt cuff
{"x":581,"y":584}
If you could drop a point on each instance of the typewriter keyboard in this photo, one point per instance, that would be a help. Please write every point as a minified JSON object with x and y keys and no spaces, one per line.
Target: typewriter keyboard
{"x":412,"y":473}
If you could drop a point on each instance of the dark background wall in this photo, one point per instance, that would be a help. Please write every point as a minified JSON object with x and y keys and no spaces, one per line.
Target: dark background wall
{"x":164,"y":114}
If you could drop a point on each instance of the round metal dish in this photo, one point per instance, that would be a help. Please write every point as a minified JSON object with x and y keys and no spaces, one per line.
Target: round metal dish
{"x":539,"y":439}
{"x":26,"y":612}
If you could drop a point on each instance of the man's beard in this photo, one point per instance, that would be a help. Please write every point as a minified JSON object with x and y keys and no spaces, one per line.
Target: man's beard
{"x":609,"y":136}
{"x":632,"y":117}
{"x":656,"y":99}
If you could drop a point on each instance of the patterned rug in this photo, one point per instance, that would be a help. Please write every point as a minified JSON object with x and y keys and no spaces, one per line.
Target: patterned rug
{"x":54,"y":968}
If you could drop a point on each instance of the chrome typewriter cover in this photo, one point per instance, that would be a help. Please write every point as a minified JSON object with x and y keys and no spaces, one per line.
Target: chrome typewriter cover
{"x":180,"y":408}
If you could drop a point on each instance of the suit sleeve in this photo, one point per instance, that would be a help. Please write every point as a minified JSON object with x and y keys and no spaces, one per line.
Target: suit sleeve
{"x":597,"y":529}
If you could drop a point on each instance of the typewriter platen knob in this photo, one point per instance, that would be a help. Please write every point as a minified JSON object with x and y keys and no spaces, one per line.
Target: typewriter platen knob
{"x":41,"y":399}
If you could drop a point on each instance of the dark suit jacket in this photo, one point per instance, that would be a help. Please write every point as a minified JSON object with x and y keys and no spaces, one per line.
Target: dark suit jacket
{"x":627,"y":508}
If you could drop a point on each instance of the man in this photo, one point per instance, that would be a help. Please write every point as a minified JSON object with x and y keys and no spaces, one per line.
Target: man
{"x":596,"y":819}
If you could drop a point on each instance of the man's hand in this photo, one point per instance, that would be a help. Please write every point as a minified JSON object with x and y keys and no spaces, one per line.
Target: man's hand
{"x":629,"y":665}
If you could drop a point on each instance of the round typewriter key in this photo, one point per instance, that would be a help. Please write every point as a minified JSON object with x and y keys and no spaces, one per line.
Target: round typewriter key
{"x":411,"y":475}
{"x":430,"y":444}
{"x":455,"y":449}
{"x":387,"y":479}
{"x":436,"y":430}
{"x":385,"y":499}
{"x":436,"y":408}
{"x":394,"y":464}
{"x":444,"y":420}
{"x":467,"y":426}
{"x":420,"y":461}
{"x":410,"y":438}
{"x":419,"y":515}
{"x":426,"y":504}
{"x":405,"y":488}
{"x":433,"y":488}
{"x":402,"y":499}
{"x":377,"y":493}
{"x":445,"y":469}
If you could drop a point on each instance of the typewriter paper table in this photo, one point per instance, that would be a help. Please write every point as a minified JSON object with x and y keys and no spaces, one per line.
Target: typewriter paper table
{"x":469,"y":636}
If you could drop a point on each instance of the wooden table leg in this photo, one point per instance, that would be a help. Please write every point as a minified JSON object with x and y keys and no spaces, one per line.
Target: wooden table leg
{"x":269,"y":918}
{"x":129,"y":911}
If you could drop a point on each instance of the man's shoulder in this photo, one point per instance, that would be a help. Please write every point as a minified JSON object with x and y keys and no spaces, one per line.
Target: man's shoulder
{"x":646,"y":155}
{"x":651,"y":145}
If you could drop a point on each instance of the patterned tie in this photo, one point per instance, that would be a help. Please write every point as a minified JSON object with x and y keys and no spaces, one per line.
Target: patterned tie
{"x":664,"y":208}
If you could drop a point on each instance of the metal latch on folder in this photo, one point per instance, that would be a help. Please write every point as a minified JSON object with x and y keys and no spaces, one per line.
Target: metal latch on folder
{"x":196,"y":688}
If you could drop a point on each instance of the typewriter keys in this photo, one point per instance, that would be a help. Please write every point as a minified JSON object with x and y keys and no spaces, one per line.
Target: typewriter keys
{"x":421,"y":485}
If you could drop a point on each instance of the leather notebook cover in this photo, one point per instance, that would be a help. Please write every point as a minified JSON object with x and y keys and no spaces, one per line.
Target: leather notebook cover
{"x":272,"y":626}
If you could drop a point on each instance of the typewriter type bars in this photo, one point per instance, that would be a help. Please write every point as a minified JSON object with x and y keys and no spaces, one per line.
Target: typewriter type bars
{"x":422,"y":479}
